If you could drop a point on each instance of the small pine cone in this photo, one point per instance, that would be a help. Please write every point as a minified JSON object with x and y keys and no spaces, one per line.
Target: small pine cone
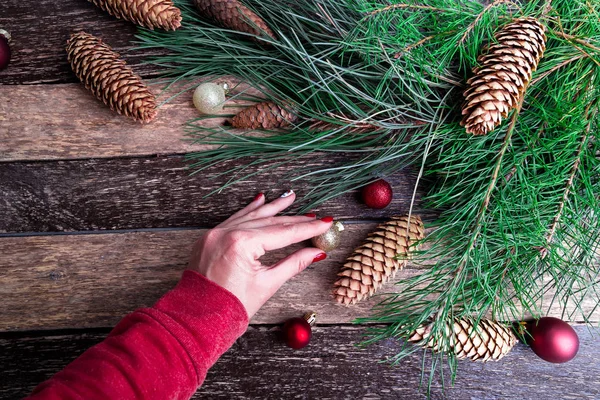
{"x":499,"y":84}
{"x":232,"y":14}
{"x":149,"y":13}
{"x":483,"y":341}
{"x":374,"y":262}
{"x":266,"y":115}
{"x":110,"y":78}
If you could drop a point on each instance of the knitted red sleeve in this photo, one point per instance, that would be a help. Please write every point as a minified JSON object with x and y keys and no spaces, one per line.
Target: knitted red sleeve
{"x":161,"y":352}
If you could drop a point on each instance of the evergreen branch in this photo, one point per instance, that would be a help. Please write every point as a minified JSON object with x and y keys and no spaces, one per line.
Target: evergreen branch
{"x":485,"y":203}
{"x":532,"y":184}
{"x":414,"y":45}
{"x":480,"y":15}
{"x":557,"y":67}
{"x":404,"y":7}
{"x":576,"y":40}
{"x":567,"y":189}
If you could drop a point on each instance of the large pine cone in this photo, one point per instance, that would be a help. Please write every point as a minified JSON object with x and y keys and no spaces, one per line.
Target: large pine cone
{"x":266,"y":115}
{"x":499,"y":84}
{"x":486,"y":340}
{"x":232,"y":14}
{"x":110,"y":78}
{"x":374,"y":262}
{"x":149,"y":13}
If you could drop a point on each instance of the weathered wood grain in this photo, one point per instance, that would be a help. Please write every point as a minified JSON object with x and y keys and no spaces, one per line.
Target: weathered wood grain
{"x":84,"y":281}
{"x":77,"y":281}
{"x":41,"y":28}
{"x":153,"y":193}
{"x":259,"y":366}
{"x":44,"y":122}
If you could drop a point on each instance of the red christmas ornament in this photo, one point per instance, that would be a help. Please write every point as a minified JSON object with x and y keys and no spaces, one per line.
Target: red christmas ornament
{"x":297,"y":331}
{"x":4,"y":49}
{"x":552,"y":339}
{"x":377,"y":194}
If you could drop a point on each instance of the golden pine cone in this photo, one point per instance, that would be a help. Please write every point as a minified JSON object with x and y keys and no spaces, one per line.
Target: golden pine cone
{"x":499,"y":84}
{"x":149,"y":13}
{"x":373,"y":263}
{"x":486,"y":340}
{"x":266,"y":115}
{"x":110,"y":78}
{"x":232,"y":14}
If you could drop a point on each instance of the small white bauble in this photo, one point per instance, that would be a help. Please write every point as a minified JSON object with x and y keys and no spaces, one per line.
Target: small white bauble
{"x":209,"y":98}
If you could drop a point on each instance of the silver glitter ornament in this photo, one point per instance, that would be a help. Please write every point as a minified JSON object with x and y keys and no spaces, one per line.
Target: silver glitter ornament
{"x":209,"y":97}
{"x":331,"y":239}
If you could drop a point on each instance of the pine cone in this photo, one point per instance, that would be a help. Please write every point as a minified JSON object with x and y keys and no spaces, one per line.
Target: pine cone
{"x":499,"y":84}
{"x":373,"y":263}
{"x":266,"y":115}
{"x":486,"y":340}
{"x":232,"y":14}
{"x":149,"y":13}
{"x":110,"y":78}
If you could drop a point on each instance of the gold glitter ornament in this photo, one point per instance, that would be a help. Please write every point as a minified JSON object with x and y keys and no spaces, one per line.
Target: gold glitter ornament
{"x":331,"y":239}
{"x":209,"y":97}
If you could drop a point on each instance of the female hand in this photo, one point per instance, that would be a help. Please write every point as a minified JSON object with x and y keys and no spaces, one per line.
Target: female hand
{"x":229,"y":254}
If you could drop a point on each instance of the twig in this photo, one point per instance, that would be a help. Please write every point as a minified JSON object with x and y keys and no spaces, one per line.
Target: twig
{"x":480,"y":15}
{"x":403,"y":6}
{"x":328,"y":18}
{"x":547,"y":7}
{"x":412,"y":46}
{"x":488,"y":195}
{"x":508,"y":177}
{"x":576,"y":40}
{"x":568,"y":186}
{"x":557,"y":67}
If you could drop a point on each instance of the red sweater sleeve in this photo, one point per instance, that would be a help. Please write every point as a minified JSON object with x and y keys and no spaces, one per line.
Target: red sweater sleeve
{"x":161,"y":352}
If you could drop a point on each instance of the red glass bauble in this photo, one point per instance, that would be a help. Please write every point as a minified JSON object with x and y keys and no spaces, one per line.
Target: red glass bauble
{"x":377,"y":194}
{"x":297,"y":333}
{"x":4,"y":52}
{"x":553,"y":339}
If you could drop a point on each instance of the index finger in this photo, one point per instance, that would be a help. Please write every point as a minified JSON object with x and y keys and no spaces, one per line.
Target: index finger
{"x":278,"y":236}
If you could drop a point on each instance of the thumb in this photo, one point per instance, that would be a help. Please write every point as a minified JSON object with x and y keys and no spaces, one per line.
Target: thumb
{"x":295,"y":263}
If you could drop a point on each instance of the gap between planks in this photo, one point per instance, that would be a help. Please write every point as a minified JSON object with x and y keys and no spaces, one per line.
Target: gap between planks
{"x":91,"y":281}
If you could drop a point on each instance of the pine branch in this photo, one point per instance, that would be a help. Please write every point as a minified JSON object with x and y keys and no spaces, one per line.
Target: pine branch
{"x":567,"y":190}
{"x":378,"y":83}
{"x":472,"y":25}
{"x":393,"y":7}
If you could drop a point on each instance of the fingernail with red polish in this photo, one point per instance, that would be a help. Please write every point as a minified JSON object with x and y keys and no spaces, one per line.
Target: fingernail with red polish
{"x":310,"y":215}
{"x":327,"y":219}
{"x":320,"y":257}
{"x":258,"y":196}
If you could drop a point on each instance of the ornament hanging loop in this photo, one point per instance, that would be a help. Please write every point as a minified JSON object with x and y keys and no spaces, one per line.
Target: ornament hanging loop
{"x":310,"y":317}
{"x":6,"y":34}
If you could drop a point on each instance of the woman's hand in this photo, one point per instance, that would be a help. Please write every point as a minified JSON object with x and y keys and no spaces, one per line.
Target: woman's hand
{"x":229,"y":254}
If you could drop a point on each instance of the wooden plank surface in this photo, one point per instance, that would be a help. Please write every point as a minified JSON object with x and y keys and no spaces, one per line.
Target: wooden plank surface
{"x":45,"y":122}
{"x":41,"y":28}
{"x":86,"y":281}
{"x":259,"y":366}
{"x":93,"y":280}
{"x":152,"y":193}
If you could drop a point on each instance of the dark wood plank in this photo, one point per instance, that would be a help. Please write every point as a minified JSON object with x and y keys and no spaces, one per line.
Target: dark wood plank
{"x":65,"y":121}
{"x":151,"y":193}
{"x":259,"y":366}
{"x":40,"y":30}
{"x":84,"y":281}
